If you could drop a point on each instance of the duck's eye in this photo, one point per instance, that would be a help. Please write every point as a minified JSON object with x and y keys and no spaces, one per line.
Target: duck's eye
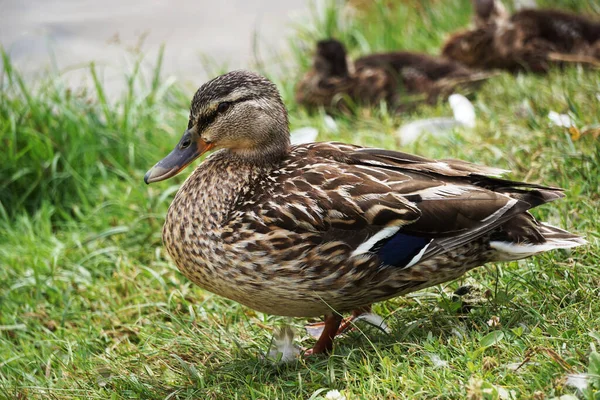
{"x":186,"y":143}
{"x":224,"y":106}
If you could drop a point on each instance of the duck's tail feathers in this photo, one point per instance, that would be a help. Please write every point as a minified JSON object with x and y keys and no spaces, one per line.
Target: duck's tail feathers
{"x":560,"y":238}
{"x":552,"y":238}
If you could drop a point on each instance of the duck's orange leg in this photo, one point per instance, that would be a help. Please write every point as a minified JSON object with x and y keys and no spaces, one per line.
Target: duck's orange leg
{"x":316,"y":329}
{"x":325,"y":342}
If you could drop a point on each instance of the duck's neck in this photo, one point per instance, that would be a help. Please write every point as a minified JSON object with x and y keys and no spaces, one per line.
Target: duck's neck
{"x":267,"y":155}
{"x":208,"y":195}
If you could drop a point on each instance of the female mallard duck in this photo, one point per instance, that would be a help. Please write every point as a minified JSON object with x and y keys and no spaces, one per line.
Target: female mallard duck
{"x":391,"y":77}
{"x":530,"y":39}
{"x":327,"y":228}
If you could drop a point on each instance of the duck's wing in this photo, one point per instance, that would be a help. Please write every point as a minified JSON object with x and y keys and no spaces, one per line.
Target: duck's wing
{"x":402,"y":207}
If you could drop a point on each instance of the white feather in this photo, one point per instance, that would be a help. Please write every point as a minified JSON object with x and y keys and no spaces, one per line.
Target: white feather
{"x":500,"y":211}
{"x":578,"y":381}
{"x":410,"y":132}
{"x":373,"y":240}
{"x":442,"y":192}
{"x":464,"y":116}
{"x":307,"y":134}
{"x":463,"y":110}
{"x":514,"y":251}
{"x":283,"y":348}
{"x":562,"y":120}
{"x":330,"y":123}
{"x":375,"y":320}
{"x":419,"y":255}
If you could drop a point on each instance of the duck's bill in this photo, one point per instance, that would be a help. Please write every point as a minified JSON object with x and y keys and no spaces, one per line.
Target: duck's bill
{"x":178,"y":159}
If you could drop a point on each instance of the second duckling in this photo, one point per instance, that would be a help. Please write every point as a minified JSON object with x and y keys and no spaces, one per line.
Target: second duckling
{"x":396,"y":78}
{"x":530,"y":39}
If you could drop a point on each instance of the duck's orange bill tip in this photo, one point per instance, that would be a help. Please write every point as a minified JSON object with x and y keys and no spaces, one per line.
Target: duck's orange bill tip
{"x":184,"y":153}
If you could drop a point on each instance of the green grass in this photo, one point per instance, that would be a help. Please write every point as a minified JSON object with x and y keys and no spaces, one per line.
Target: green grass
{"x":91,"y":306}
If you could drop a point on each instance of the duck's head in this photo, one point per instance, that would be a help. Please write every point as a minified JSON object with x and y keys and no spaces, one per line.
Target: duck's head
{"x":239,"y":111}
{"x":489,"y":12}
{"x":470,"y":47}
{"x":330,"y":58}
{"x":484,"y":8}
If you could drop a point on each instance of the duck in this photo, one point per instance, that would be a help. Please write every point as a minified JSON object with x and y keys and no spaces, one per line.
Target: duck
{"x":397,"y":78}
{"x":528,"y":40}
{"x":328,"y":228}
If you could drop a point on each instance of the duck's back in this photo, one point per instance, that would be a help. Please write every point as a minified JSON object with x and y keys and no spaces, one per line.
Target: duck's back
{"x":558,"y":27}
{"x":433,"y":67}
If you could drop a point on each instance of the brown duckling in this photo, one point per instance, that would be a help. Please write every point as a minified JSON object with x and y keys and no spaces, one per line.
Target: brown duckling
{"x":530,"y":39}
{"x":334,"y":83}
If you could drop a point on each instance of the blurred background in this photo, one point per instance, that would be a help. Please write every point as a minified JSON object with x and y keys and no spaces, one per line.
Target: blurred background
{"x":64,"y":35}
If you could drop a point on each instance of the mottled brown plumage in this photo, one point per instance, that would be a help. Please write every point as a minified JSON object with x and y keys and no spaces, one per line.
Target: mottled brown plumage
{"x":397,"y":78}
{"x":327,"y":228}
{"x":530,"y":39}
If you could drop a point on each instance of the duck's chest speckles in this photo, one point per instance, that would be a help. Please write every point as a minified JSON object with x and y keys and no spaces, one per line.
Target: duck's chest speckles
{"x":194,"y":225}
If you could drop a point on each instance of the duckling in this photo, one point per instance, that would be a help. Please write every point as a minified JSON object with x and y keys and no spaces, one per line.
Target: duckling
{"x":335,"y":83}
{"x":320,"y":229}
{"x":530,"y":39}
